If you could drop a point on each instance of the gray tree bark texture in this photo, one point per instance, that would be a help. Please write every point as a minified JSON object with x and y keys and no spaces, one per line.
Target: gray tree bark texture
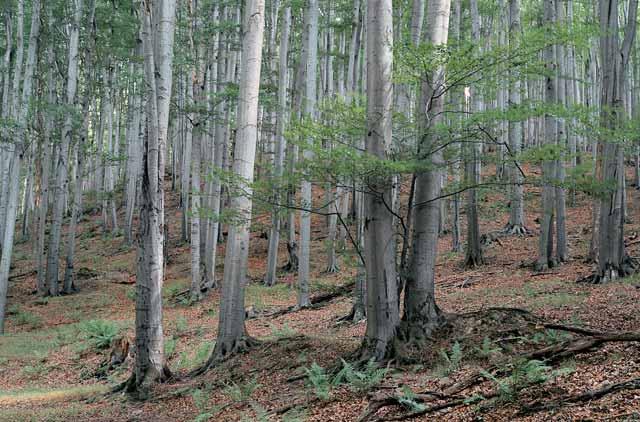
{"x":380,"y":250}
{"x":231,"y":330}
{"x":421,"y":314}
{"x":613,"y":261}
{"x":158,"y":23}
{"x":17,"y":150}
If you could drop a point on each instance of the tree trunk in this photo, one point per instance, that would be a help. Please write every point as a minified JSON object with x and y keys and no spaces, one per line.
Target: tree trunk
{"x":516,"y":223}
{"x":421,"y":314}
{"x":311,"y":60}
{"x":380,"y":244}
{"x":231,"y":330}
{"x":281,"y":144}
{"x":613,"y":261}
{"x":17,"y":149}
{"x":157,"y":46}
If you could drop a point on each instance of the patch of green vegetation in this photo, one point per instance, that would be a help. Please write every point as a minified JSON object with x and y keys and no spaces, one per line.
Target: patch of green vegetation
{"x":295,"y":415}
{"x":199,"y":357}
{"x":450,"y":361}
{"x":559,"y":300}
{"x":363,"y":380}
{"x":319,"y":380}
{"x":261,"y":296}
{"x":487,"y":350}
{"x":25,"y":318}
{"x":284,"y":331}
{"x":240,"y":393}
{"x":36,"y":344}
{"x":99,"y":333}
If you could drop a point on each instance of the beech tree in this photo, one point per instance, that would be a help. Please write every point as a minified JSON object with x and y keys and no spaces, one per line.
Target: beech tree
{"x":157,"y":35}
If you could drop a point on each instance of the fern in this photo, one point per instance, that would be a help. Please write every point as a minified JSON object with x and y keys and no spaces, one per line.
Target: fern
{"x":486,"y":351}
{"x":99,"y":333}
{"x":319,"y":380}
{"x":360,"y":381}
{"x":408,"y":400}
{"x":452,"y":360}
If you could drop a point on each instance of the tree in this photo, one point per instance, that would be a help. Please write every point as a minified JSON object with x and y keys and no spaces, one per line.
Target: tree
{"x":421,"y":313}
{"x":157,"y":33}
{"x":380,"y":244}
{"x":311,"y":62}
{"x":516,"y":224}
{"x":232,"y":335}
{"x":19,"y":145}
{"x":62,"y":166}
{"x":613,"y":261}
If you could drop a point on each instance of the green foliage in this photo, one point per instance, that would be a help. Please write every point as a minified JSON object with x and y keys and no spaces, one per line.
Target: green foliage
{"x":524,"y":373}
{"x":486,"y":350}
{"x":408,"y":400}
{"x":132,"y":294}
{"x":99,"y":333}
{"x":282,"y":332}
{"x":451,"y":360}
{"x":319,"y":380}
{"x":295,"y":415}
{"x":182,"y":325}
{"x":360,"y":381}
{"x":169,"y":347}
{"x":201,"y":401}
{"x":240,"y":393}
{"x":26,"y":318}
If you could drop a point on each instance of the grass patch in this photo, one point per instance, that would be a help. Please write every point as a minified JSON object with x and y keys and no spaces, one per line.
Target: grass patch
{"x":37,"y":344}
{"x":49,"y":395}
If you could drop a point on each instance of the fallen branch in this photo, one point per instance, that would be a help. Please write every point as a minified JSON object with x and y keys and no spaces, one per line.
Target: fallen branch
{"x":316,"y":301}
{"x":632,"y":384}
{"x":27,"y":274}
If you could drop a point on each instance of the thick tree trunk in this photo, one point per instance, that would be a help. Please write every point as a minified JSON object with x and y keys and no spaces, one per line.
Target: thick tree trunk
{"x":421,"y":314}
{"x":157,"y":22}
{"x":613,"y":261}
{"x":380,"y":244}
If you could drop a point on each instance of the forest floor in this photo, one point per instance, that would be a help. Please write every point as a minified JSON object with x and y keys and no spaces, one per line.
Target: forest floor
{"x":48,"y":366}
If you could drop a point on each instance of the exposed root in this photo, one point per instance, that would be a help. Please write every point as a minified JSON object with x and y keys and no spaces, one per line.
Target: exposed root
{"x":632,"y":384}
{"x":589,"y":340}
{"x":332,"y":269}
{"x":225,"y":351}
{"x":515,"y":230}
{"x":140,"y":388}
{"x":611,"y":273}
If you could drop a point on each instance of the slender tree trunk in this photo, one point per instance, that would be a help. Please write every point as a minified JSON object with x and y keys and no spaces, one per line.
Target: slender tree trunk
{"x":516,"y":223}
{"x":473,"y":253}
{"x":231,"y":330}
{"x":281,"y":144}
{"x":311,"y":60}
{"x":17,"y":150}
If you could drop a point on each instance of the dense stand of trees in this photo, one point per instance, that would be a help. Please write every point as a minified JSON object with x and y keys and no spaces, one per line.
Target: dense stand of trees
{"x":247,"y":107}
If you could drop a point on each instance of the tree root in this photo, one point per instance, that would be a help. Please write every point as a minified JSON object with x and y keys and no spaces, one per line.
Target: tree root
{"x":515,"y":230}
{"x":221,"y":354}
{"x":628,"y":267}
{"x":590,"y":339}
{"x":632,"y":384}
